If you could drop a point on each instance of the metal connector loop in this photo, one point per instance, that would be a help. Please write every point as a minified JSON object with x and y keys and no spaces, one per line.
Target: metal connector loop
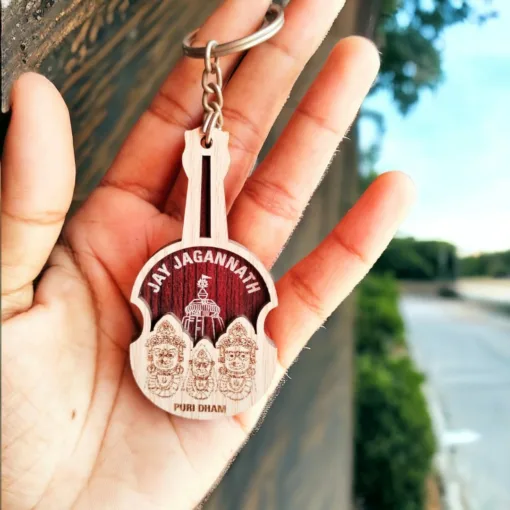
{"x":273,"y":23}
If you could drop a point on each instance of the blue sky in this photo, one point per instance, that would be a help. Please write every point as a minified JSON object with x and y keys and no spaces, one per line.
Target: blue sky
{"x":455,"y":143}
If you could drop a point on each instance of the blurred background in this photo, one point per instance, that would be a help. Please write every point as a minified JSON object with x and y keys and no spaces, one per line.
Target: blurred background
{"x":433,"y":327}
{"x":402,"y":401}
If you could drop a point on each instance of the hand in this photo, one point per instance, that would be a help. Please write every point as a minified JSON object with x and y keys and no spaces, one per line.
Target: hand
{"x":77,"y":432}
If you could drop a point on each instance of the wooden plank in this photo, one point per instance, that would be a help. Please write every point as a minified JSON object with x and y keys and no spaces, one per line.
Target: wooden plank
{"x":107,"y":57}
{"x":31,"y":29}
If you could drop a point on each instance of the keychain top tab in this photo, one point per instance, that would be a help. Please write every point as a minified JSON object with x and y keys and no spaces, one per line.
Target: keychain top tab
{"x":203,"y":352}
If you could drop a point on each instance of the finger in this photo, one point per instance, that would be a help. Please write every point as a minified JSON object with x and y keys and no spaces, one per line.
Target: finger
{"x":313,"y":288}
{"x":149,"y":160}
{"x":260,"y":87}
{"x":38,"y":174}
{"x":276,"y":194}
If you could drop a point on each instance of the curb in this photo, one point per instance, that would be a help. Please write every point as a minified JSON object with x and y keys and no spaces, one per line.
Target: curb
{"x":444,"y":461}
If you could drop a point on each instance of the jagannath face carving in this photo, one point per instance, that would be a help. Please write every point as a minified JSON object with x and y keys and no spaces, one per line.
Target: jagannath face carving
{"x":237,"y":358}
{"x":237,"y":349}
{"x":165,"y":354}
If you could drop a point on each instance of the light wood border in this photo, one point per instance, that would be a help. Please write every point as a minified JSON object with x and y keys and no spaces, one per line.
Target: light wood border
{"x":266,"y":354}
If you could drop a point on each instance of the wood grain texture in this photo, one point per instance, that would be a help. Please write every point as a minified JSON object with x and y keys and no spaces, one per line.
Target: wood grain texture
{"x":107,"y":57}
{"x":234,"y":284}
{"x":213,"y":295}
{"x":218,"y":158}
{"x":31,"y":29}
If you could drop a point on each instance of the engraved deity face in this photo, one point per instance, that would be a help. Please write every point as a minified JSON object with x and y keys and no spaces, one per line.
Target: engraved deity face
{"x":201,"y":366}
{"x":237,"y":358}
{"x":165,"y":356}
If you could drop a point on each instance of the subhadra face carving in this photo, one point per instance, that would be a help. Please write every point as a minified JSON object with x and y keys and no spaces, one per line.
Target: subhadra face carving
{"x":201,"y":379}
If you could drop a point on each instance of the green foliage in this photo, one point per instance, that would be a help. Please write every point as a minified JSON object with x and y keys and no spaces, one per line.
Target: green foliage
{"x":394,"y":442}
{"x":410,"y":259}
{"x":408,"y":33}
{"x":486,"y":264}
{"x":379,"y":326}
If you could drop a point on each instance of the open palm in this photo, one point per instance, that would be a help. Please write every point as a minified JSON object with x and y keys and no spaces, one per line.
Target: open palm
{"x":77,"y":432}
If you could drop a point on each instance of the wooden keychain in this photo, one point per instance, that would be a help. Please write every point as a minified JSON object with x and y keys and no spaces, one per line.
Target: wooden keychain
{"x":203,"y":352}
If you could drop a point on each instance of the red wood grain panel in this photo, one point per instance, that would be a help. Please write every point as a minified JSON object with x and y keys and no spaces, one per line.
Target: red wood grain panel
{"x":235,"y":286}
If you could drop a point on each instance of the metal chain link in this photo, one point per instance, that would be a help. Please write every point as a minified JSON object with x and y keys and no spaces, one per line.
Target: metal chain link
{"x":212,"y":97}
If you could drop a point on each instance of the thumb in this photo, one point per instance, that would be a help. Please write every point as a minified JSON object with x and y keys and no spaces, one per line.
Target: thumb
{"x":38,"y":173}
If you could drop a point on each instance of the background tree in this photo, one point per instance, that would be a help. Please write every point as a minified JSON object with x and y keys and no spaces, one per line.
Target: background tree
{"x":487,"y":264}
{"x":409,"y":35}
{"x":411,"y":259}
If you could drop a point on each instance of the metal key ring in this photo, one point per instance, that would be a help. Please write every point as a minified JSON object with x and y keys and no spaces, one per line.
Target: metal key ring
{"x":273,"y":22}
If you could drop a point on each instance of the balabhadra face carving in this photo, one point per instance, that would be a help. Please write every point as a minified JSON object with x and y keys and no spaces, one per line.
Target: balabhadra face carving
{"x":165,"y":349}
{"x":165,"y":356}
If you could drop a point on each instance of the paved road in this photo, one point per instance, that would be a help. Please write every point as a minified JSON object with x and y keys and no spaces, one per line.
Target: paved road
{"x":465,"y":353}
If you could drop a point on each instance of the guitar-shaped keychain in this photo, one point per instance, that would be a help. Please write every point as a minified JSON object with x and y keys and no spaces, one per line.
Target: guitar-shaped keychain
{"x":203,"y":352}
